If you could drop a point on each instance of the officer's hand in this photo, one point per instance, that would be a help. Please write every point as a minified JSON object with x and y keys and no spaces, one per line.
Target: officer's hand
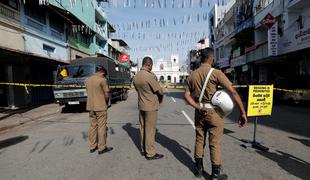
{"x":160,"y":98}
{"x":203,"y":111}
{"x":243,"y":120}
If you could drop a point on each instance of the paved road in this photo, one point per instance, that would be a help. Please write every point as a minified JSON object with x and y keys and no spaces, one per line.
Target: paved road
{"x":56,"y":147}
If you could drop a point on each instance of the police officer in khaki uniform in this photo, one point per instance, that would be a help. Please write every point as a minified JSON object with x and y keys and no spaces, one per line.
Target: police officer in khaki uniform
{"x":209,"y":120}
{"x":97,"y":98}
{"x":150,"y":95}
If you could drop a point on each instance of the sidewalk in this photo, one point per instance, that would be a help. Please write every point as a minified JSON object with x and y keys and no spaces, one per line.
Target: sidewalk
{"x":12,"y":118}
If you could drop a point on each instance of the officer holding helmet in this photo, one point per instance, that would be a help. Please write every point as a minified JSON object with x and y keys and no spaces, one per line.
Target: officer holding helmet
{"x":209,"y":118}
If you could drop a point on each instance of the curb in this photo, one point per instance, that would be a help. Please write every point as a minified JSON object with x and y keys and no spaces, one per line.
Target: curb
{"x":27,"y":120}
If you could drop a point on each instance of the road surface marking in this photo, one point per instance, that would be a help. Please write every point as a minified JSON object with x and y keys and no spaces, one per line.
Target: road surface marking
{"x":173,"y":99}
{"x":189,"y":119}
{"x":167,"y":91}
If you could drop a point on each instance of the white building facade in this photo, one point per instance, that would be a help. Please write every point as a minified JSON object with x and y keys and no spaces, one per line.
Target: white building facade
{"x":169,"y":71}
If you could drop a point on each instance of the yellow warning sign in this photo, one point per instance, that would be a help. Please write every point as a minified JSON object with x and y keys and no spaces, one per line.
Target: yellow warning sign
{"x":260,"y":100}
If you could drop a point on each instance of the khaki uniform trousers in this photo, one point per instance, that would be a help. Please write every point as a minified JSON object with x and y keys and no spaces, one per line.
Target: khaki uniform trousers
{"x":148,"y":121}
{"x":212,"y":123}
{"x":98,"y":126}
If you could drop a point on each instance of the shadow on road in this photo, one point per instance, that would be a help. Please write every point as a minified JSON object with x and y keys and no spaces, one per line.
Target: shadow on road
{"x":134,"y":135}
{"x":85,"y":135}
{"x":179,"y":152}
{"x":12,"y":141}
{"x":285,"y":118}
{"x":293,"y":119}
{"x":293,"y":165}
{"x":306,"y":142}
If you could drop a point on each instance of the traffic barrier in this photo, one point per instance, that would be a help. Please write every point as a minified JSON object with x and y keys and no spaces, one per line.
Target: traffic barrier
{"x":26,"y":85}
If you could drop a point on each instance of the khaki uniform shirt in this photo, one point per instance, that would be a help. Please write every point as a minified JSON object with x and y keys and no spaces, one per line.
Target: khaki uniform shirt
{"x":95,"y":87}
{"x":197,"y":78}
{"x":146,"y":86}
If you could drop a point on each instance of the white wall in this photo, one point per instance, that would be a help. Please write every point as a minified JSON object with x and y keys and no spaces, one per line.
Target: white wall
{"x":294,"y":38}
{"x":34,"y":44}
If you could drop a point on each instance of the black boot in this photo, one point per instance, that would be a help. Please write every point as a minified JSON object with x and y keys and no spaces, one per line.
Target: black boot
{"x":198,"y":167}
{"x":216,"y":173}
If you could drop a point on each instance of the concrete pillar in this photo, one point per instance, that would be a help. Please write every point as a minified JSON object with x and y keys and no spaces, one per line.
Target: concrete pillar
{"x":10,"y":89}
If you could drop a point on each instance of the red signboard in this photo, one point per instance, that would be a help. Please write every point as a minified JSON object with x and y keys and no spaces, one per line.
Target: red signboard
{"x":124,"y":58}
{"x":268,"y":20}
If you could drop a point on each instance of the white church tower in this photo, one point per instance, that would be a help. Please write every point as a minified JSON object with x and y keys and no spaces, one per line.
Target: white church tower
{"x":175,"y":67}
{"x":175,"y":62}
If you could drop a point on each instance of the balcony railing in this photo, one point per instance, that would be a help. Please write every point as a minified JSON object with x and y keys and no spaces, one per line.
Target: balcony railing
{"x":35,"y":24}
{"x":260,"y":52}
{"x":238,"y":61}
{"x":297,"y":4}
{"x":8,"y":12}
{"x":100,"y":30}
{"x":57,"y":34}
{"x":230,"y":14}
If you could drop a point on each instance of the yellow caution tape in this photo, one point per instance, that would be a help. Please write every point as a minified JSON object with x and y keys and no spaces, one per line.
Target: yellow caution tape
{"x":292,"y":91}
{"x":240,"y":86}
{"x":114,"y":87}
{"x":26,"y":85}
{"x":245,"y":86}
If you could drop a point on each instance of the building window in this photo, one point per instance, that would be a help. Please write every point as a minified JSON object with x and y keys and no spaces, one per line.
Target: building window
{"x":300,"y":22}
{"x":35,"y":11}
{"x":48,"y":49}
{"x":84,"y":39}
{"x":99,"y":42}
{"x":280,"y":21}
{"x":57,"y":22}
{"x":73,"y":32}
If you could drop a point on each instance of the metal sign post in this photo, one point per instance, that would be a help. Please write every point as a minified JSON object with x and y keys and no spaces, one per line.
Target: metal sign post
{"x":259,"y":104}
{"x":255,"y":144}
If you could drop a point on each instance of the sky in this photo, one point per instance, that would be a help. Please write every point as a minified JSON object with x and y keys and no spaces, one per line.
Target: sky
{"x":123,"y":13}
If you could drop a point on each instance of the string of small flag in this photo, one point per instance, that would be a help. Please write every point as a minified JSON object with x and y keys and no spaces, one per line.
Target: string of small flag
{"x":162,"y":3}
{"x":161,"y":22}
{"x":159,"y":35}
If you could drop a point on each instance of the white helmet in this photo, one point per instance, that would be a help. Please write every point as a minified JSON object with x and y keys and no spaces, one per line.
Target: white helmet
{"x":223,"y":100}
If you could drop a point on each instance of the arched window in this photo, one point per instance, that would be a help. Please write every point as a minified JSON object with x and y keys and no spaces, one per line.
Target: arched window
{"x":162,"y":78}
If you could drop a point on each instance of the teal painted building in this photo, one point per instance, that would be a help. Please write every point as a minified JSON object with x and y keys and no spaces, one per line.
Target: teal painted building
{"x":88,"y":37}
